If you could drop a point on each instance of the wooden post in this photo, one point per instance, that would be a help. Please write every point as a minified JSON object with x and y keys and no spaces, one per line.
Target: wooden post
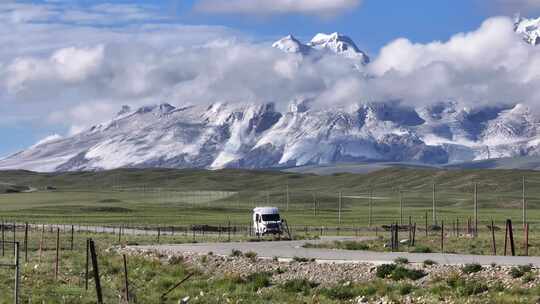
{"x":72,"y":237}
{"x":3,"y":238}
{"x":410,"y":231}
{"x":526,"y":239}
{"x":57,"y":260}
{"x":392,"y":235}
{"x":41,"y":242}
{"x":126,"y":282}
{"x":509,"y":238}
{"x":229,"y":231}
{"x":442,"y":236}
{"x":86,"y":265}
{"x":158,"y":234}
{"x":493,"y":245}
{"x":414,"y":235}
{"x":524,"y":203}
{"x":95,"y":267}
{"x":426,"y":225}
{"x":26,"y":242}
{"x":16,"y":290}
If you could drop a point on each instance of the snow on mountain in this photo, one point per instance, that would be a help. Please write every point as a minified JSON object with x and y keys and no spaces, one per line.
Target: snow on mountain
{"x":529,"y":29}
{"x":258,"y":136}
{"x":322,"y":44}
{"x":246,"y":135}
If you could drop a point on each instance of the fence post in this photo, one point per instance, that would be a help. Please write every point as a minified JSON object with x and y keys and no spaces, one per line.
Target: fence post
{"x":57,"y":260}
{"x":526,"y":239}
{"x":229,"y":231}
{"x":72,"y":237}
{"x":17,"y":273}
{"x":26,"y":242}
{"x":3,"y":238}
{"x":86,"y":265}
{"x":442,"y":236}
{"x":426,"y":225}
{"x":494,"y":247}
{"x":126,"y":282}
{"x":96,"y":271}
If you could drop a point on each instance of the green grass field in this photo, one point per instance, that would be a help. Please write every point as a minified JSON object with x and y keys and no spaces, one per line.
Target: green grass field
{"x":183,"y":197}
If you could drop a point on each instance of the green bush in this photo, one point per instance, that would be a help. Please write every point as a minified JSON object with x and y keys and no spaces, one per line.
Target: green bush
{"x":385,"y":270}
{"x":519,"y":271}
{"x":340,"y":292}
{"x":429,"y":263}
{"x":299,"y":286}
{"x":236,"y":253}
{"x":401,"y":260}
{"x":465,"y":287}
{"x":259,"y":280}
{"x":398,"y":273}
{"x":421,"y":249}
{"x":302,"y":260}
{"x":405,"y":289}
{"x":528,"y":277}
{"x":352,"y":245}
{"x":472,"y":268}
{"x":401,"y":273}
{"x":251,"y":255}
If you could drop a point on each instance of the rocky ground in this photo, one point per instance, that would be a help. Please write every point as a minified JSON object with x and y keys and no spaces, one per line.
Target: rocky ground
{"x":331,"y":274}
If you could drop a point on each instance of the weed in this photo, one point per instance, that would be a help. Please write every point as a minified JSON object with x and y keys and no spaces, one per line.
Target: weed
{"x":401,"y":260}
{"x":259,"y":280}
{"x":528,"y":277}
{"x":384,"y":271}
{"x":302,"y":259}
{"x":251,"y":255}
{"x":340,"y":292}
{"x":405,"y":289}
{"x":472,"y":268}
{"x":519,"y":271}
{"x":299,"y":286}
{"x":429,"y":263}
{"x":236,"y":253}
{"x":421,"y":249}
{"x":401,"y":273}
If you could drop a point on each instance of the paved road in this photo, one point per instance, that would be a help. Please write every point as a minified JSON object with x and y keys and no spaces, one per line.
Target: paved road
{"x":289,"y":249}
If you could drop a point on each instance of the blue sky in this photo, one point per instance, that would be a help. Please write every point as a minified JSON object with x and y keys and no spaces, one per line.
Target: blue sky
{"x":372,"y":24}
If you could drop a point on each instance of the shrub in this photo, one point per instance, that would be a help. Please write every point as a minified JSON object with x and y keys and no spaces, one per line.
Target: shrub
{"x":352,"y":245}
{"x":302,"y":260}
{"x":465,"y":287}
{"x":401,"y":260}
{"x":398,"y":273}
{"x":405,"y":289}
{"x":236,"y":253}
{"x":299,"y":286}
{"x":471,"y":268}
{"x":340,"y":292}
{"x":519,"y":271}
{"x":259,"y":280}
{"x":528,"y":277}
{"x":251,"y":255}
{"x":385,"y":270}
{"x":401,"y":273}
{"x":429,"y":263}
{"x":421,"y":249}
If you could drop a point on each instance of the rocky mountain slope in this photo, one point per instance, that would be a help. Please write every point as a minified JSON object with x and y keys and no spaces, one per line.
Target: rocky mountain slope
{"x":224,"y":135}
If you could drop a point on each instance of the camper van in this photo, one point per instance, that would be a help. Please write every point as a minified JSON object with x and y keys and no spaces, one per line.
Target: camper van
{"x":266,"y":220}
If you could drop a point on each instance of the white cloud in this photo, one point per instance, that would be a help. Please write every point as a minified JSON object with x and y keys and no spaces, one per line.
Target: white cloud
{"x":324,"y":8}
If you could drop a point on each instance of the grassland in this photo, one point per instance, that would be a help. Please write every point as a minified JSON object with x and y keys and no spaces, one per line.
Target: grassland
{"x":179,"y":197}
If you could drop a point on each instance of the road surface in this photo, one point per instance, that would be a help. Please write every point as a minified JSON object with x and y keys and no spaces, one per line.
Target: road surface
{"x":290,"y":249}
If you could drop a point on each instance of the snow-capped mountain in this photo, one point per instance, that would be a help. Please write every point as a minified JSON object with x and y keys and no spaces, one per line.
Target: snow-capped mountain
{"x":246,"y":135}
{"x":321,"y":44}
{"x":258,"y":136}
{"x":529,"y":29}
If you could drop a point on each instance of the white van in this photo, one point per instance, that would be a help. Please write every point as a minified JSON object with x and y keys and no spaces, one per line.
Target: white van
{"x":266,"y":220}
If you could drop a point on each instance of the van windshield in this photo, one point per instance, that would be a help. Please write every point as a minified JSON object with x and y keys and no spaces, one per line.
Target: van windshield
{"x":270,"y":217}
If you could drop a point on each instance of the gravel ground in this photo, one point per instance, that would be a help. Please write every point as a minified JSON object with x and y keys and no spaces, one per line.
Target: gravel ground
{"x":330,"y":273}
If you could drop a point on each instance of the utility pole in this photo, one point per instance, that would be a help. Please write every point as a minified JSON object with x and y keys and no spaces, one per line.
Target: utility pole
{"x":524,"y":203}
{"x":434,"y":220}
{"x":475,"y":209}
{"x":288,"y":198}
{"x":370,"y":207}
{"x":339,"y":208}
{"x":400,"y":207}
